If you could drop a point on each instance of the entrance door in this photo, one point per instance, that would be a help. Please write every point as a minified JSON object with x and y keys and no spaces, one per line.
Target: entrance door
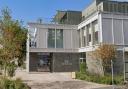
{"x":44,"y":63}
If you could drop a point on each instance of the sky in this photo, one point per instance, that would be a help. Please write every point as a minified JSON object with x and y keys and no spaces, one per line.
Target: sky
{"x":31,"y":10}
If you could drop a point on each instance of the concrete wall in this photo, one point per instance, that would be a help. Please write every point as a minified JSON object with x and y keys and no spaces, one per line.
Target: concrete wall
{"x":95,"y":66}
{"x":65,"y":62}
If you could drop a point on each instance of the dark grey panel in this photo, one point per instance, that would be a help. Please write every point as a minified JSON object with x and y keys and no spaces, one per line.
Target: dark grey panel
{"x":65,"y":62}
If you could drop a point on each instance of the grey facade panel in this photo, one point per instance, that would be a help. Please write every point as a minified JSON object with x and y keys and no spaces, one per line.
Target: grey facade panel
{"x":33,"y":61}
{"x":65,"y":62}
{"x":70,"y":40}
{"x":75,"y":39}
{"x":42,"y":38}
{"x":60,"y":62}
{"x":67,"y":39}
{"x":107,"y":30}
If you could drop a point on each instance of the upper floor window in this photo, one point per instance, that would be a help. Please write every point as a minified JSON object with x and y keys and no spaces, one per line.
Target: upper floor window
{"x":51,"y":38}
{"x":55,"y":38}
{"x":59,"y":38}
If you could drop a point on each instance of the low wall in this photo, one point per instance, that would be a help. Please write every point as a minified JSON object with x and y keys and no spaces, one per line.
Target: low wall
{"x":95,"y":66}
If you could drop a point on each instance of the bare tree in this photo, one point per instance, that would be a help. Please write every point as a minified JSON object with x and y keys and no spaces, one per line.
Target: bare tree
{"x":105,"y":53}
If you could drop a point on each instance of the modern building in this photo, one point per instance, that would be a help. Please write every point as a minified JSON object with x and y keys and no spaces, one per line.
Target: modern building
{"x":106,"y":22}
{"x":61,"y":46}
{"x":54,"y":47}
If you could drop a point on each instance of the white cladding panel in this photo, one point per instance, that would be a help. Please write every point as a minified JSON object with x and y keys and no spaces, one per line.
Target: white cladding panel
{"x":125,"y":31}
{"x":107,"y":31}
{"x":117,"y":30}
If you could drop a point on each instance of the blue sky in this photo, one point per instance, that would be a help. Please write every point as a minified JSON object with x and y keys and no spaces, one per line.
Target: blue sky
{"x":30,"y":10}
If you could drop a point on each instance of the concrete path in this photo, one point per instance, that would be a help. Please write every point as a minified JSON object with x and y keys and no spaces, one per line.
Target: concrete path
{"x":56,"y":81}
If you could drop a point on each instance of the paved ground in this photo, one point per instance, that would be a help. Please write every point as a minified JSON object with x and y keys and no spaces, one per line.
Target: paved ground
{"x":57,"y":81}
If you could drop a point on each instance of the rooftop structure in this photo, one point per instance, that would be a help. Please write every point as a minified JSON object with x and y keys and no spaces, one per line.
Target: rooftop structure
{"x":68,"y":17}
{"x":105,"y":6}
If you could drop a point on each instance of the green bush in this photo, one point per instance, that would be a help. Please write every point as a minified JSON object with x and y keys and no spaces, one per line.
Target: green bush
{"x":11,"y":67}
{"x":107,"y":79}
{"x":6,"y":83}
{"x":83,"y":67}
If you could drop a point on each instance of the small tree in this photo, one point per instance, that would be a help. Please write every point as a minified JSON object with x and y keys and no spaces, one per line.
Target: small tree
{"x":12,"y":41}
{"x":106,"y":53}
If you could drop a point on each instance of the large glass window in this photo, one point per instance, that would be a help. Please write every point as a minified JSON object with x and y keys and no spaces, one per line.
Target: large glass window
{"x":55,"y":38}
{"x":59,"y":38}
{"x":51,"y":38}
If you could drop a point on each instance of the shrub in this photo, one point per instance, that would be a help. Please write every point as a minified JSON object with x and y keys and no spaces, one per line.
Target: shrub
{"x":107,"y":79}
{"x":6,"y":83}
{"x":83,"y":67}
{"x":11,"y":67}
